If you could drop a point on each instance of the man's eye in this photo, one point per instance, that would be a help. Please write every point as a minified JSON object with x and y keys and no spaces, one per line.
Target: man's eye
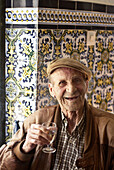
{"x":78,"y":80}
{"x":62,"y":83}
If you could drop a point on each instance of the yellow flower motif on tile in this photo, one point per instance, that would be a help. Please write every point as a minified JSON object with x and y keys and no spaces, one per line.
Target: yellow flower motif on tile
{"x":100,"y":82}
{"x":45,"y":49}
{"x":98,"y":98}
{"x":12,"y":48}
{"x":91,"y":49}
{"x":99,"y":66}
{"x":110,"y":46}
{"x":10,"y":119}
{"x":28,"y":91}
{"x":90,"y":65}
{"x":43,"y":73}
{"x":11,"y":110}
{"x":10,"y":126}
{"x":109,"y":64}
{"x":100,"y":46}
{"x":10,"y":70}
{"x":27,"y":111}
{"x":108,"y":81}
{"x":43,"y":91}
{"x":68,"y":48}
{"x":27,"y":72}
{"x":57,"y":48}
{"x":27,"y":49}
{"x":108,"y":96}
{"x":81,"y":47}
{"x":20,"y":79}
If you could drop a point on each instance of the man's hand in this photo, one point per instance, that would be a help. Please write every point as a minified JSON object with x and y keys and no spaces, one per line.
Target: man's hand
{"x":37,"y":134}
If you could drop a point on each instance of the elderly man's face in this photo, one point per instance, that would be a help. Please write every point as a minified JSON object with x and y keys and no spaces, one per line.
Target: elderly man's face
{"x":69,"y":88}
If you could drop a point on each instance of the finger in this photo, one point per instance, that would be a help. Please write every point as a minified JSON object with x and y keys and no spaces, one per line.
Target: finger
{"x":36,"y":127}
{"x":39,"y":129}
{"x":39,"y":134}
{"x":42,"y":141}
{"x":37,"y":139}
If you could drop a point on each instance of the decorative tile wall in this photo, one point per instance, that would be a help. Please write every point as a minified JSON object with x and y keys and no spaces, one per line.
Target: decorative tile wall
{"x":21,"y":76}
{"x":27,"y":59}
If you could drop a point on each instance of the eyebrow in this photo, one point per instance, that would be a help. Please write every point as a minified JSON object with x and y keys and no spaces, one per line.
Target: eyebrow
{"x":72,"y":78}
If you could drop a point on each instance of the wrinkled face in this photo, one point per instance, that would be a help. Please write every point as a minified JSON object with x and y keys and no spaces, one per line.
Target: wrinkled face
{"x":69,"y":88}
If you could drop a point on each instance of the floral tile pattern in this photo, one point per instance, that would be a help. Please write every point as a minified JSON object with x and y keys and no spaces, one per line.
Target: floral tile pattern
{"x":21,"y":76}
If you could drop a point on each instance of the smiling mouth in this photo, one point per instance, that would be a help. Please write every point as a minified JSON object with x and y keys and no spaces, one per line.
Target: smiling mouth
{"x":71,"y":98}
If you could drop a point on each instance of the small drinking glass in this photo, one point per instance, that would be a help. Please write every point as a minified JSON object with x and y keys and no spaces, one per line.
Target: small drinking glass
{"x":51,"y":126}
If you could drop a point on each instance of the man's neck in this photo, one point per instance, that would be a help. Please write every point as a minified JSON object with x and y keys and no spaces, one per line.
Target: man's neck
{"x":73,"y":118}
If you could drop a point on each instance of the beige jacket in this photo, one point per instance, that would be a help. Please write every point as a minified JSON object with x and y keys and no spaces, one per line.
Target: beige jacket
{"x":98,"y":147}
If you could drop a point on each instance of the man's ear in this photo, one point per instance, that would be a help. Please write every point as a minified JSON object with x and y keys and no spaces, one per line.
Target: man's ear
{"x":51,"y":90}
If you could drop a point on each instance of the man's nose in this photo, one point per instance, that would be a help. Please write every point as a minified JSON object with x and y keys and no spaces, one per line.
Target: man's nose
{"x":71,"y":88}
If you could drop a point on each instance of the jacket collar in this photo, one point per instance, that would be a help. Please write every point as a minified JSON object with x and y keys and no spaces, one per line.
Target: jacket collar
{"x":90,"y":128}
